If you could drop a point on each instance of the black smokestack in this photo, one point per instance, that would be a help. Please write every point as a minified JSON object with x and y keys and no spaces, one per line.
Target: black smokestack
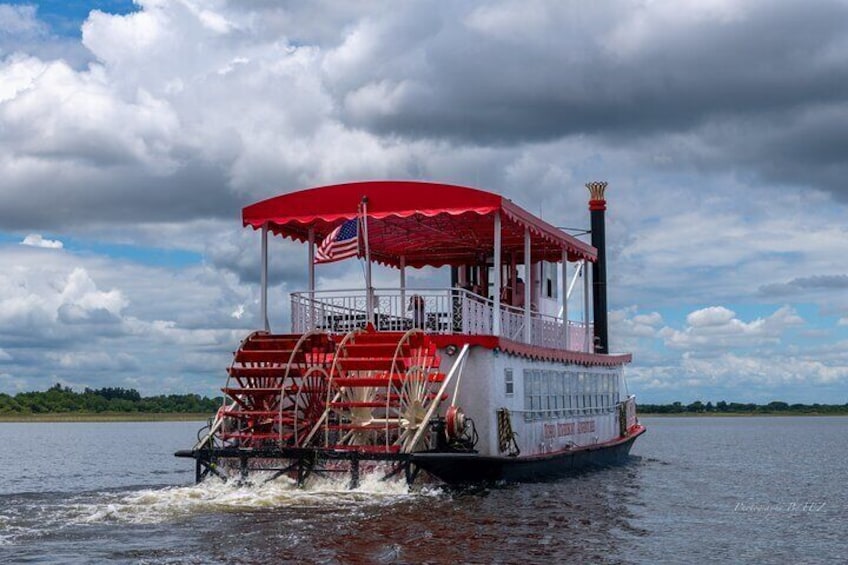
{"x":597,"y":207}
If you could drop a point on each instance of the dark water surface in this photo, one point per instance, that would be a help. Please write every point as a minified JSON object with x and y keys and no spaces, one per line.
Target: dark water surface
{"x":732,"y":490}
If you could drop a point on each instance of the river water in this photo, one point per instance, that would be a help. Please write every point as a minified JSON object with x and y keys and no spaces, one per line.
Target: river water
{"x":733,"y":490}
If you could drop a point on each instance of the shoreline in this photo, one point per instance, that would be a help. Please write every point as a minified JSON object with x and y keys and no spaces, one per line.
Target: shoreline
{"x":735,"y":414}
{"x":71,"y":417}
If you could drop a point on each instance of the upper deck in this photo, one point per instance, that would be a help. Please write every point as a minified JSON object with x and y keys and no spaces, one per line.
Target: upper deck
{"x":436,"y":311}
{"x":504,"y":284}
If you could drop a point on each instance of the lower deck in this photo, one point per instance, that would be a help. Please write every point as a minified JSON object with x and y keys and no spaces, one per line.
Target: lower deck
{"x":403,"y":401}
{"x":527,"y":405}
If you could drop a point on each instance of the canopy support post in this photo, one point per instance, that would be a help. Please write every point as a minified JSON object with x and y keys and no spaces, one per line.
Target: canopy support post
{"x":587,"y":341}
{"x":528,"y":333}
{"x":312,"y":321}
{"x":564,"y":283}
{"x":311,"y":263}
{"x":496,"y":314}
{"x":513,"y":278}
{"x":402,"y":284}
{"x":264,"y":275}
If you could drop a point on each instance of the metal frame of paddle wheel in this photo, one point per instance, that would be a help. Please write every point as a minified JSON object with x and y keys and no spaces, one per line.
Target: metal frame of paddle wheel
{"x":372,"y":397}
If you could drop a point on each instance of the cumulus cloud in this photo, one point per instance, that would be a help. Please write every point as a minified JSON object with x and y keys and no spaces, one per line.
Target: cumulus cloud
{"x":262,"y":98}
{"x":65,"y":319}
{"x":717,"y":328}
{"x":35,"y":240}
{"x":21,"y":31}
{"x":737,"y":376}
{"x":21,"y":21}
{"x":627,"y":325}
{"x":38,"y":302}
{"x":712,"y":316}
{"x":159,"y":125}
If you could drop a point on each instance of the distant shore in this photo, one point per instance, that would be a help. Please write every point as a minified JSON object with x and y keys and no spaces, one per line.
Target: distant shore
{"x":735,"y":414}
{"x":69,"y":417}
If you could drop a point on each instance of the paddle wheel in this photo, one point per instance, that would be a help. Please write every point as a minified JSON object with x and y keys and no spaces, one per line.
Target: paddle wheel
{"x":277,"y":386}
{"x":382,"y":391}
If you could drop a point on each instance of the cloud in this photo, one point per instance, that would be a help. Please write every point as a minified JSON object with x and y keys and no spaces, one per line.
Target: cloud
{"x":624,"y":76}
{"x":91,"y":320}
{"x":739,"y":377}
{"x":21,"y":31}
{"x":265,"y":98}
{"x":717,"y":328}
{"x":19,"y":21}
{"x":720,"y":134}
{"x":802,"y":284}
{"x":35,"y":240}
{"x":712,"y":316}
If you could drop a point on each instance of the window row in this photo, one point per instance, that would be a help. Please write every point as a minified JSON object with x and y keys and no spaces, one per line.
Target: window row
{"x":552,"y":394}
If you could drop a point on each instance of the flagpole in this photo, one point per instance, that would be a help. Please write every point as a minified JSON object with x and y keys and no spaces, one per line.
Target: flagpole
{"x":369,"y":291}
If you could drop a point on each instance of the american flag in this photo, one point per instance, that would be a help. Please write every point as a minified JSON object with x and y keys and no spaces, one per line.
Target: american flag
{"x":343,"y":242}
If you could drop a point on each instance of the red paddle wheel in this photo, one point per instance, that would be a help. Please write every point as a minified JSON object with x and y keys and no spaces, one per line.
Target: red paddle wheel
{"x":382,"y":386}
{"x":278,"y":388}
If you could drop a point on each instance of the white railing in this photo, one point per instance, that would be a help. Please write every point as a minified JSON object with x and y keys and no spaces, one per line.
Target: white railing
{"x":579,"y":336}
{"x":442,"y":311}
{"x":630,"y":411}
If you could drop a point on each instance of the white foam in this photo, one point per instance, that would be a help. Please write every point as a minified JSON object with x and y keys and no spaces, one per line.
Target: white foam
{"x":163,"y":504}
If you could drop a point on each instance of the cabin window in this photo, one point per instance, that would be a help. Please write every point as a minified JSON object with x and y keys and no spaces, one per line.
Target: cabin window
{"x":540,"y":391}
{"x":616,"y":398}
{"x":599,"y":392}
{"x":581,"y":391}
{"x":598,"y":388}
{"x":509,"y":386}
{"x":549,"y":279}
{"x":535,"y":394}
{"x":559,"y":402}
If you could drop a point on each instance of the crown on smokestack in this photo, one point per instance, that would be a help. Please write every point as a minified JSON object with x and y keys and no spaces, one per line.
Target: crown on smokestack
{"x":596,"y":191}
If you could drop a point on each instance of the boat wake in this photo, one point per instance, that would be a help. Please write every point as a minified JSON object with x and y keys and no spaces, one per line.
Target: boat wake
{"x":213,"y":496}
{"x":23,"y":517}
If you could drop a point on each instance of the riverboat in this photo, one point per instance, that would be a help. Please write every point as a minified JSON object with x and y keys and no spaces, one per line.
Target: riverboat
{"x":483,"y":378}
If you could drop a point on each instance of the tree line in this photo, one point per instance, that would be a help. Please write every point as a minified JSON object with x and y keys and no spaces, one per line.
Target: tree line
{"x":722,"y":407}
{"x":59,"y":399}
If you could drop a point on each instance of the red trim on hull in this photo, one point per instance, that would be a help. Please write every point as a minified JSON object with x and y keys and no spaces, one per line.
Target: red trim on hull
{"x":531,"y":351}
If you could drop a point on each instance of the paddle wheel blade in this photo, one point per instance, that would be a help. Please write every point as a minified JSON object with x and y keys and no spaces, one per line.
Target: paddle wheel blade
{"x":381,"y":386}
{"x":276,"y":389}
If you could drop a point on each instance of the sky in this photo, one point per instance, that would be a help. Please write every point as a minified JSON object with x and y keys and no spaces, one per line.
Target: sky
{"x":132,"y":134}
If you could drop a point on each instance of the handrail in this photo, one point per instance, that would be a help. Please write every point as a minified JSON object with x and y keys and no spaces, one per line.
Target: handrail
{"x":442,"y":310}
{"x":219,"y":420}
{"x":456,"y":364}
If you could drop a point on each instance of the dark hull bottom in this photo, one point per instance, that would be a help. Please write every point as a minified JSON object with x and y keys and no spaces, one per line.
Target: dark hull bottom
{"x":468,"y":468}
{"x":450,"y":467}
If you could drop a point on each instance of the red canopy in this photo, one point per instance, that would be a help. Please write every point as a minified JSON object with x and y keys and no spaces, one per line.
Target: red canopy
{"x":427,"y":223}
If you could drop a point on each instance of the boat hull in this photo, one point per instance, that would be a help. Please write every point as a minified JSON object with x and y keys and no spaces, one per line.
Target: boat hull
{"x":470,"y":468}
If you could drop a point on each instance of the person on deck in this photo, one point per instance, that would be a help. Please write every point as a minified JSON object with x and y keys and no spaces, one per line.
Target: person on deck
{"x":518,"y":295}
{"x":416,"y":304}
